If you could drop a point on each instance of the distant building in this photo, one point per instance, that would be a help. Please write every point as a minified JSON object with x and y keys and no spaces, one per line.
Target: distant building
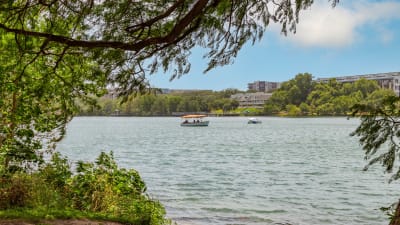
{"x":263,"y":86}
{"x":256,"y":100}
{"x":385,"y":80}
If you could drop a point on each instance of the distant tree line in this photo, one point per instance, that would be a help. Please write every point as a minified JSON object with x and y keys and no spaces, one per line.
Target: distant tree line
{"x":303,"y":96}
{"x":165,"y":104}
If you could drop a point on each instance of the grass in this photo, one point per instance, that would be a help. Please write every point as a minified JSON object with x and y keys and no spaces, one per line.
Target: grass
{"x":37,"y":215}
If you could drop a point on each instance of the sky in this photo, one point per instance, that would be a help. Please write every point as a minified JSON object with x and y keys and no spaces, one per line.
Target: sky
{"x":354,"y":38}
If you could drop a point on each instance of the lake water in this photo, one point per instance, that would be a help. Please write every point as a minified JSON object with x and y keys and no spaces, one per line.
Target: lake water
{"x":301,"y":171}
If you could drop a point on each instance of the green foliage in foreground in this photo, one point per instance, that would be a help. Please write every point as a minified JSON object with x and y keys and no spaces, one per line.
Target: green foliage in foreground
{"x":379,"y":130}
{"x":99,"y":190}
{"x":379,"y":136}
{"x":37,"y":100}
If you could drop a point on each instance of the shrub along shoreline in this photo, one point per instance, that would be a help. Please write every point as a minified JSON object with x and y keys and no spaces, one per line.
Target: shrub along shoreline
{"x":98,"y":191}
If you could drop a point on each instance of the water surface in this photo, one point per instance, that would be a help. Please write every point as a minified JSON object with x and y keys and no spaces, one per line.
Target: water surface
{"x":284,"y":171}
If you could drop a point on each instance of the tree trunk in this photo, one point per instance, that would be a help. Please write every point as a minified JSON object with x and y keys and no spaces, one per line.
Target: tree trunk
{"x":396,"y":217}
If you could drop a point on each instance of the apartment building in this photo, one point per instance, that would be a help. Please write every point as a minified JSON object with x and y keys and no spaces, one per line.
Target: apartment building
{"x":385,"y":80}
{"x":263,"y":86}
{"x":256,"y":100}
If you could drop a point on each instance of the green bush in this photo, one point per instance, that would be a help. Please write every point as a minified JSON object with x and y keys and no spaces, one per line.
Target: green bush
{"x":96,"y":190}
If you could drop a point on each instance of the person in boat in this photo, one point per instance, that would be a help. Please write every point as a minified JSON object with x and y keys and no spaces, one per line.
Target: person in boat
{"x":186,"y":121}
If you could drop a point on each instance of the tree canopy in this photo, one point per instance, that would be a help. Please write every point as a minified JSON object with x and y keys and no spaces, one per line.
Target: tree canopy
{"x":129,"y":39}
{"x":165,"y":104}
{"x":38,"y":99}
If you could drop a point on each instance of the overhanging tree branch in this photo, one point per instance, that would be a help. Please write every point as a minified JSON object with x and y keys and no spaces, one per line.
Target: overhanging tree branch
{"x":174,"y":34}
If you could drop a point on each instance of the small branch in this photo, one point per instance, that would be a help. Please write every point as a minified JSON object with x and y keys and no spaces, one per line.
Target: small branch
{"x":42,"y":47}
{"x":150,"y":22}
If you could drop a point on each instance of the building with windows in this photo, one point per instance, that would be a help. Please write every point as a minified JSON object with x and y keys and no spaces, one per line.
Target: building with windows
{"x":256,"y":100}
{"x":263,"y":86}
{"x":385,"y":80}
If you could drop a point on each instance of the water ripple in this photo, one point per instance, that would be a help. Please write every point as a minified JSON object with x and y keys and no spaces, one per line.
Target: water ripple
{"x":292,"y":171}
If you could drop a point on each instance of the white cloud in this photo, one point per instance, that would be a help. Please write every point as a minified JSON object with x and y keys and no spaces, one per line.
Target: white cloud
{"x":324,"y":26}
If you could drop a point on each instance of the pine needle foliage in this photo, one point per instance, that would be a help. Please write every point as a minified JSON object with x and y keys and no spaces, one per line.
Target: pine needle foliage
{"x":379,"y":130}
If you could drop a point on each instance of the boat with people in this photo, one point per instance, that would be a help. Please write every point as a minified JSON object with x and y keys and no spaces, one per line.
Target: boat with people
{"x":194,"y":121}
{"x":253,"y":121}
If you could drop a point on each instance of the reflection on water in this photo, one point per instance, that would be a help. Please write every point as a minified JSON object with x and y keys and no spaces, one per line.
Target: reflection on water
{"x":283,"y":171}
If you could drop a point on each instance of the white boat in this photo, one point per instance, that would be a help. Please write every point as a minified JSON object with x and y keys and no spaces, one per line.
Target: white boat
{"x":253,"y":121}
{"x":194,"y":121}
